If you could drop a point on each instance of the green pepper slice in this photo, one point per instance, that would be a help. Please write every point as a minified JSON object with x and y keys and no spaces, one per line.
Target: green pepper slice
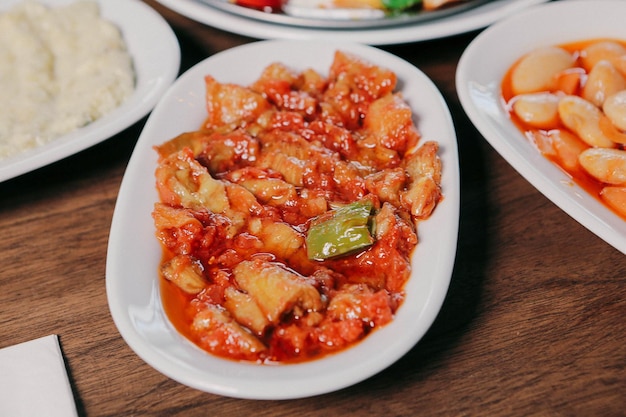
{"x":399,"y":4}
{"x":341,"y":231}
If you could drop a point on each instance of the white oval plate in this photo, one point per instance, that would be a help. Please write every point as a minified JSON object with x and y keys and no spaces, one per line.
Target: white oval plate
{"x":462,"y":22}
{"x":479,"y":75}
{"x":134,"y":253}
{"x":156,"y":58}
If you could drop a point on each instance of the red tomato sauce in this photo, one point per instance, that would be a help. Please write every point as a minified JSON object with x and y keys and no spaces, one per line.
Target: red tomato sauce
{"x":238,"y":196}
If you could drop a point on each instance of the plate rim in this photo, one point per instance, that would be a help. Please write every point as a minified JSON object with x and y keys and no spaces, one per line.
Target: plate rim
{"x":473,"y":19}
{"x":340,"y":24}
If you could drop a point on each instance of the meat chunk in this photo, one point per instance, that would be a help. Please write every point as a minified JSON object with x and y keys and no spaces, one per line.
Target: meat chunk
{"x":185,"y":272}
{"x":276,"y":290}
{"x":218,"y":332}
{"x":245,"y":310}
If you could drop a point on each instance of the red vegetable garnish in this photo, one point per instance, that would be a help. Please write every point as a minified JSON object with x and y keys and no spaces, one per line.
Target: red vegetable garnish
{"x":273,"y":5}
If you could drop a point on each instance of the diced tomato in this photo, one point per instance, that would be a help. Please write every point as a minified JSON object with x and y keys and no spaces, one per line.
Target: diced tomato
{"x":260,"y":4}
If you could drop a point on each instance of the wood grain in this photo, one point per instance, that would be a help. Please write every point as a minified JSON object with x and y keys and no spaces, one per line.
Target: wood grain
{"x":533,"y":324}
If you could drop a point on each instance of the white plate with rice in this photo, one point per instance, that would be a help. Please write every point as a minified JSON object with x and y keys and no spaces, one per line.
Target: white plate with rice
{"x":155,"y":61}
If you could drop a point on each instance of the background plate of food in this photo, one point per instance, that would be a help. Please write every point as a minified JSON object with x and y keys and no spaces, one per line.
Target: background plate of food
{"x":343,"y":14}
{"x":134,"y":255}
{"x":542,"y":103}
{"x":370,"y":25}
{"x":57,"y":100}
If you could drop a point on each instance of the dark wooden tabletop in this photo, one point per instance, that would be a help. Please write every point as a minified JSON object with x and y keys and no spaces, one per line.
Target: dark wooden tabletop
{"x":534,"y":323}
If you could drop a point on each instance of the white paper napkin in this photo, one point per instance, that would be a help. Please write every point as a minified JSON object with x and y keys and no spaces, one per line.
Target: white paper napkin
{"x":33,"y":380}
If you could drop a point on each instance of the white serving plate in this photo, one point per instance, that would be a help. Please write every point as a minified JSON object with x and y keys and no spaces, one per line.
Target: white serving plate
{"x":480,"y":73}
{"x":317,"y":14}
{"x":448,"y":25}
{"x":134,"y":253}
{"x":156,"y":58}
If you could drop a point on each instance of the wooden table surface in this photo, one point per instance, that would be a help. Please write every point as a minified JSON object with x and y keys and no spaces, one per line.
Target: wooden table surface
{"x":533,"y":324}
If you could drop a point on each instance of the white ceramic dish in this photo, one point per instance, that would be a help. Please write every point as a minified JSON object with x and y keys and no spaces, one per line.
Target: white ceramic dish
{"x":134,"y":253}
{"x":316,"y":14}
{"x":482,"y":68}
{"x":156,"y":58}
{"x":472,"y":19}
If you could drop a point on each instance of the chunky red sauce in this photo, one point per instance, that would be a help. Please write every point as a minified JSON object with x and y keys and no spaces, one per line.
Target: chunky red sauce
{"x":238,"y":198}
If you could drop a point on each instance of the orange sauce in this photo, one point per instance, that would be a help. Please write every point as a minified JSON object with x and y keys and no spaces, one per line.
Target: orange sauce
{"x":578,"y":175}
